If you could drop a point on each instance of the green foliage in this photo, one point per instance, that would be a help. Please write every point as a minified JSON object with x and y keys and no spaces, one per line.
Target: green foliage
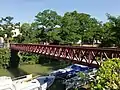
{"x":68,"y":29}
{"x":7,"y":26}
{"x":108,"y":37}
{"x":46,"y":23}
{"x":111,"y":31}
{"x":28,"y":58}
{"x":4,"y":57}
{"x":108,"y":76}
{"x":28,"y":35}
{"x":79,"y":26}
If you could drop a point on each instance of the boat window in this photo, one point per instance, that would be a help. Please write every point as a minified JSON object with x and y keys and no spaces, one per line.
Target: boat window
{"x":46,"y":79}
{"x":74,"y":66}
{"x":21,"y":77}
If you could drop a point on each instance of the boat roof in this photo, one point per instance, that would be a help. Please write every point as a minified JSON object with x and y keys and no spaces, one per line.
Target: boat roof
{"x":27,"y":85}
{"x":5,"y":83}
{"x":5,"y":80}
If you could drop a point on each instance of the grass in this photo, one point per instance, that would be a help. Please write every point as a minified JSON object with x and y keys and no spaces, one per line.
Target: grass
{"x":4,"y":72}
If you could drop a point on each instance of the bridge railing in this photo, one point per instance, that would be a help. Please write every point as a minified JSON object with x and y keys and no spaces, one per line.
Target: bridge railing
{"x":90,"y":56}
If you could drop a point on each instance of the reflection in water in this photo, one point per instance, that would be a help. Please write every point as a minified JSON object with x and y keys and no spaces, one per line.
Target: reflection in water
{"x":57,"y":85}
{"x":16,"y":72}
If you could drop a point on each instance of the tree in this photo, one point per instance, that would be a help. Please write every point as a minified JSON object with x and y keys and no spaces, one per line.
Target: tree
{"x":47,"y":23}
{"x":28,"y":35}
{"x":108,"y":38}
{"x":111,"y":31}
{"x":94,"y":31}
{"x":6,"y":28}
{"x":79,"y":26}
{"x":115,"y":28}
{"x":70,"y":29}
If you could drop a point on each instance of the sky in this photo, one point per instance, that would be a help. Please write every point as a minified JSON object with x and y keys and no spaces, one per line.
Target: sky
{"x":25,"y":10}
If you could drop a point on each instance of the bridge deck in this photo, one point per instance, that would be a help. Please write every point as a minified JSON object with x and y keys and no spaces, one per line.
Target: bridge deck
{"x":90,"y":56}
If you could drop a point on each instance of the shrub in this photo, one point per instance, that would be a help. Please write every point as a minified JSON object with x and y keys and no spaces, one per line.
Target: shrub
{"x":28,"y":58}
{"x":108,"y":76}
{"x":4,"y":57}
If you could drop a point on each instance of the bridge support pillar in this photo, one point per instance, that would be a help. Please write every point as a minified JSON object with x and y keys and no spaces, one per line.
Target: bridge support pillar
{"x":14,"y":59}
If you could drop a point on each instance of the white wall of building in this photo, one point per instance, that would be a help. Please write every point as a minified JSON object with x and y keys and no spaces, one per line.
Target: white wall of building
{"x":1,"y":40}
{"x":16,"y":32}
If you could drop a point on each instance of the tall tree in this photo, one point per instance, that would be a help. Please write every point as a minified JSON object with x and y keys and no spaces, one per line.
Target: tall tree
{"x":111,"y":33}
{"x":28,"y":35}
{"x":94,"y":31}
{"x":108,"y":37}
{"x":47,"y":23}
{"x":70,"y":29}
{"x":115,"y":28}
{"x":7,"y":26}
{"x":79,"y":26}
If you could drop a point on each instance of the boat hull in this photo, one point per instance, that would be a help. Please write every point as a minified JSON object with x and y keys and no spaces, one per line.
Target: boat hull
{"x":38,"y":83}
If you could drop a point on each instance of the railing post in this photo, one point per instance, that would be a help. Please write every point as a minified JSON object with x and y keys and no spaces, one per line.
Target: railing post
{"x":14,"y":59}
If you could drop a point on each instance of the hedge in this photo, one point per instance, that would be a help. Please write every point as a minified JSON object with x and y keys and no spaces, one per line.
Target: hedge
{"x":4,"y":57}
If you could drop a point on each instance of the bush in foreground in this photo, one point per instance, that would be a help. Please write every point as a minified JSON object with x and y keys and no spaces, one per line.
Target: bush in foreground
{"x":108,"y":76}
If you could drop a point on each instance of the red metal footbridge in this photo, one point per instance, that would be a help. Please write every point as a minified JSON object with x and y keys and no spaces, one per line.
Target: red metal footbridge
{"x":90,"y":56}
